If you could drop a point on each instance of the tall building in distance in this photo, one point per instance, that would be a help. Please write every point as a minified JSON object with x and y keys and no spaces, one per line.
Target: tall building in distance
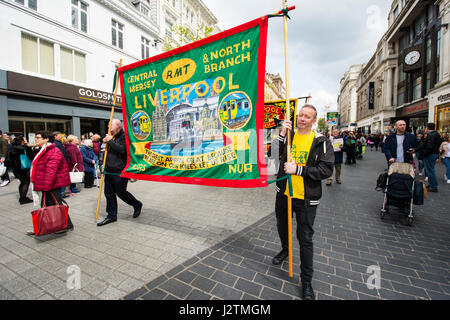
{"x":347,"y":100}
{"x":408,"y":75}
{"x":57,"y":71}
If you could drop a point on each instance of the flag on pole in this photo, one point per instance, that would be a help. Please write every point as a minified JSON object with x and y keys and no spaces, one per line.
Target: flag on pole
{"x":195,"y":114}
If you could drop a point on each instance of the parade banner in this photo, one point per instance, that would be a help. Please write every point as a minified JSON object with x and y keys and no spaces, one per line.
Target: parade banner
{"x":195,"y":114}
{"x":274,"y":112}
{"x":332,"y":118}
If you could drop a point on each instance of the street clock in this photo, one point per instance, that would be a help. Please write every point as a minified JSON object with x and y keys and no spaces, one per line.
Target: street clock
{"x":412,"y":57}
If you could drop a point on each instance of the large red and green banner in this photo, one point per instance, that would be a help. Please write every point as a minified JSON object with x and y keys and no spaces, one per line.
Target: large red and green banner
{"x":195,"y":114}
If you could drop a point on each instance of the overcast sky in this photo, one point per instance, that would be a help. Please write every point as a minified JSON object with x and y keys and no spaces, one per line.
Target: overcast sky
{"x":326,"y":37}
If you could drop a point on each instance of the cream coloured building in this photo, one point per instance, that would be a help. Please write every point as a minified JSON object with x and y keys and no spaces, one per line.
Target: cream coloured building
{"x":347,"y":100}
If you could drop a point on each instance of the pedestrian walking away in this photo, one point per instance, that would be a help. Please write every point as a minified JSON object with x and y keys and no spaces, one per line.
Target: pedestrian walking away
{"x":4,"y":159}
{"x":116,"y":186}
{"x":313,"y":159}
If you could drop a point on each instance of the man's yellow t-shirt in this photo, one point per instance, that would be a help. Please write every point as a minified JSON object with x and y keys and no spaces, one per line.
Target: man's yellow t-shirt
{"x":301,"y":146}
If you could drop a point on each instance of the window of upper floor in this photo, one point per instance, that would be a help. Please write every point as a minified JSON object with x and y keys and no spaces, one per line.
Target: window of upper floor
{"x":145,"y":48}
{"x":79,"y":15}
{"x":51,"y":59}
{"x":32,"y":4}
{"x":396,"y":12}
{"x":117,"y":34}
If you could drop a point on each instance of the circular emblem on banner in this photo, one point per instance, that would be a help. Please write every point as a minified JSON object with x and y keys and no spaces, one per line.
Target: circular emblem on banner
{"x":235,"y":110}
{"x":141,"y":125}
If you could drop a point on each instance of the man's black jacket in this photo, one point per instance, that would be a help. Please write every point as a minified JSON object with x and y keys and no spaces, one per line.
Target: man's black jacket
{"x":117,"y":153}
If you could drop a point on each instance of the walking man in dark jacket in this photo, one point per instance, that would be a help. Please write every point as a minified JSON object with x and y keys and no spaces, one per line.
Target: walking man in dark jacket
{"x":116,"y":186}
{"x":313,"y":159}
{"x":430,"y":153}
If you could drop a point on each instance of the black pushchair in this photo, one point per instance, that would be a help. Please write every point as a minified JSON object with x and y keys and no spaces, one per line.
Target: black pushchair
{"x":399,"y":190}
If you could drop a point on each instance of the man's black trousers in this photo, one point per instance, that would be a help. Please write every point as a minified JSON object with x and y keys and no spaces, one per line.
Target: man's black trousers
{"x":115,"y":186}
{"x":305,"y":216}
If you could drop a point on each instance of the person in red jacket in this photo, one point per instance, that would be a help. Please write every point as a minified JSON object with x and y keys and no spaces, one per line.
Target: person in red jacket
{"x":49,"y":172}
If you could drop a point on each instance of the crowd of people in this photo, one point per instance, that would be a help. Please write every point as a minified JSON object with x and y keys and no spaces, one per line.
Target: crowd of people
{"x":84,"y":156}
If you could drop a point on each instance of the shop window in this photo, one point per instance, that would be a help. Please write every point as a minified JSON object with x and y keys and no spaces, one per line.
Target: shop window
{"x":401,"y":74}
{"x":401,"y":96}
{"x":37,"y":55}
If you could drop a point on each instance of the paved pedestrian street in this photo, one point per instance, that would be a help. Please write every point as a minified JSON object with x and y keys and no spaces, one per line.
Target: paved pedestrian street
{"x":196,"y":242}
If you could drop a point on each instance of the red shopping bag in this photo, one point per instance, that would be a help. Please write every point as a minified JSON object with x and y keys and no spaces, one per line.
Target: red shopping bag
{"x":50,"y":219}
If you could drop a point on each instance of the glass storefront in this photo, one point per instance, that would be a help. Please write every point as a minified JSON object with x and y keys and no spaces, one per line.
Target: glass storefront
{"x":25,"y":125}
{"x":418,"y":124}
{"x":443,"y":118}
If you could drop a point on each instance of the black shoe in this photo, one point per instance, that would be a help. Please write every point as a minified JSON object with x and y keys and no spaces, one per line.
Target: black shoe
{"x":278,"y":259}
{"x":429,"y":189}
{"x":137,"y":210}
{"x":308,"y":292}
{"x":25,"y":201}
{"x":105,"y":222}
{"x":70,"y":227}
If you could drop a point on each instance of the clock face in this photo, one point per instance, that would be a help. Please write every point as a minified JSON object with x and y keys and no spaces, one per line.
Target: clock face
{"x":412,"y":57}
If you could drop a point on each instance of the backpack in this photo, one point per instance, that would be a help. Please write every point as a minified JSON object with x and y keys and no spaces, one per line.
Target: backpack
{"x":381,"y":181}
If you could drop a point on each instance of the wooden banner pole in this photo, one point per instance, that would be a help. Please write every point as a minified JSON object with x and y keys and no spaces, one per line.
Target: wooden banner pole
{"x":288,"y":116}
{"x":116,"y":86}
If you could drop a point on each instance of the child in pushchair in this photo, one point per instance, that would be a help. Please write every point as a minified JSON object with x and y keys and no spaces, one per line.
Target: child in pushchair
{"x":399,"y":190}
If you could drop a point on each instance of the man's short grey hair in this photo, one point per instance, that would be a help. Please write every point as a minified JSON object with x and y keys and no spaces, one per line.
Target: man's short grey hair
{"x":117,"y":121}
{"x":312,"y":107}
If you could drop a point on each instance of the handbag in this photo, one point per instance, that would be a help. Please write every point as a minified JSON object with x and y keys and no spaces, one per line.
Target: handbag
{"x":418,"y":193}
{"x":76,"y":176}
{"x":25,"y":162}
{"x":2,"y":169}
{"x":50,"y":219}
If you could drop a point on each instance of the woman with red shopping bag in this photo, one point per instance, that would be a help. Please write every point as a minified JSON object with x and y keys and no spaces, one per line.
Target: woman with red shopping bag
{"x":49,"y":173}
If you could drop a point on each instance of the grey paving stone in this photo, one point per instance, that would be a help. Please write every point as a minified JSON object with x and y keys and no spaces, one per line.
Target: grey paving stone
{"x":227,"y":293}
{"x":155,"y":294}
{"x":203,"y":284}
{"x":176,"y":288}
{"x":269,"y":281}
{"x":248,"y":287}
{"x":224,"y":277}
{"x":270,"y":294}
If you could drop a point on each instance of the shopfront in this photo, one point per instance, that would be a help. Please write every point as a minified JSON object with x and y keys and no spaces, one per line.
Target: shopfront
{"x":440,"y":111}
{"x":415,"y":115}
{"x":30,"y":104}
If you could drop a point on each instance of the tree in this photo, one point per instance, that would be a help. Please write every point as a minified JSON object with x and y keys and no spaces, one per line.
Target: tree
{"x":185,"y":35}
{"x":321,"y":125}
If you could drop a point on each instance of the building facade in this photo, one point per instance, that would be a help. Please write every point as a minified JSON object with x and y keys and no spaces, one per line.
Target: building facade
{"x":414,"y":34}
{"x":375,"y":107}
{"x":347,"y":100}
{"x":57,"y":71}
{"x":439,"y":96}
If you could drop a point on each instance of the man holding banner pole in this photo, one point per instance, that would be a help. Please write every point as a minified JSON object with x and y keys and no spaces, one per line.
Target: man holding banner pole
{"x":313,"y":159}
{"x":115,"y":185}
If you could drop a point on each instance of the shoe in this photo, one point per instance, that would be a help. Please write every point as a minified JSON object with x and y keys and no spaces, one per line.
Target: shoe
{"x":431,"y":189}
{"x":4,"y":183}
{"x":25,"y":201}
{"x":87,"y":187}
{"x":70,"y":227}
{"x":328,"y":183}
{"x":308,"y":292}
{"x":426,"y":179}
{"x":278,"y":259}
{"x":75,"y":191}
{"x":105,"y":222}
{"x":64,"y":196}
{"x":137,"y":210}
{"x":338,"y":181}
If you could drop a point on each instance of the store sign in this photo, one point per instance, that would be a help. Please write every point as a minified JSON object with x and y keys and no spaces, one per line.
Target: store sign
{"x":55,"y":89}
{"x":414,"y":109}
{"x":444,"y":98}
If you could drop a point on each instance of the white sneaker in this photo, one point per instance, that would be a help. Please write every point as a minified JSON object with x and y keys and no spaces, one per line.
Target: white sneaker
{"x":4,"y":183}
{"x":448,"y":181}
{"x":426,"y":179}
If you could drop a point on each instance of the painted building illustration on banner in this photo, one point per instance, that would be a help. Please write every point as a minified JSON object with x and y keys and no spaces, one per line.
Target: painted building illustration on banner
{"x":189,"y":127}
